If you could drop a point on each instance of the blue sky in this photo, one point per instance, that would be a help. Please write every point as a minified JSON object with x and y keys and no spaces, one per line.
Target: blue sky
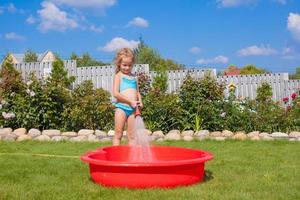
{"x":197,"y":33}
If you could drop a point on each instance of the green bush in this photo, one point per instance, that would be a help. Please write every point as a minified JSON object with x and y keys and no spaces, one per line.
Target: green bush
{"x":144,"y":83}
{"x":162,"y":111}
{"x":160,"y":82}
{"x":89,"y":108}
{"x":200,"y":100}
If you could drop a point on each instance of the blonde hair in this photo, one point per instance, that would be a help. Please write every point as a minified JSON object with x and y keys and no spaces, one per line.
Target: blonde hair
{"x":123,"y":53}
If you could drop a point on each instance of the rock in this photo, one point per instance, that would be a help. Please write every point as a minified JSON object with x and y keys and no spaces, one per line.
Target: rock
{"x":227,"y":133}
{"x":219,"y":138}
{"x":160,"y":140}
{"x":34,"y":132}
{"x":111,"y":133}
{"x":188,"y":132}
{"x":158,"y":134}
{"x":42,"y":138}
{"x":215,"y":134}
{"x":148,"y":132}
{"x":20,"y":131}
{"x":188,"y":138}
{"x":69,"y":133}
{"x":85,"y":132}
{"x":105,"y":139}
{"x":264,"y":134}
{"x":200,"y":138}
{"x":59,"y":138}
{"x":79,"y":138}
{"x":92,"y":138}
{"x":175,"y":131}
{"x":173,"y":135}
{"x":252,"y":134}
{"x":51,"y":132}
{"x":202,"y":133}
{"x":279,"y":135}
{"x":255,"y":137}
{"x":293,"y":139}
{"x":5,"y":131}
{"x":268,"y":138}
{"x":24,"y":137}
{"x":240,"y":136}
{"x":294,"y":134}
{"x":100,"y":133}
{"x":9,"y":137}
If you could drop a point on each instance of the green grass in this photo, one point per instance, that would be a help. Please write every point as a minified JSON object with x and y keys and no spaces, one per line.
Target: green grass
{"x":240,"y":170}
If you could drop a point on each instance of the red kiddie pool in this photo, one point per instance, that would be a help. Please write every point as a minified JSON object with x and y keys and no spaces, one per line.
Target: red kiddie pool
{"x":169,"y":167}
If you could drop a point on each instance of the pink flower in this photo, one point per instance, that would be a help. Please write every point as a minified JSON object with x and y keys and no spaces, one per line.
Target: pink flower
{"x":285,"y":99}
{"x":294,"y":95}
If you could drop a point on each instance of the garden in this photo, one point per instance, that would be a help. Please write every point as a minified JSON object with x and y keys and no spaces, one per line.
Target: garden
{"x":240,"y":169}
{"x":198,"y":105}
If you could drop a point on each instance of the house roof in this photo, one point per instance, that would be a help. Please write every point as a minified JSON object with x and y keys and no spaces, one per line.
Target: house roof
{"x":20,"y":56}
{"x":232,"y":70}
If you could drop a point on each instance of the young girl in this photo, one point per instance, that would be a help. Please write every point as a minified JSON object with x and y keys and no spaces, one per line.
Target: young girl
{"x":125,"y":90}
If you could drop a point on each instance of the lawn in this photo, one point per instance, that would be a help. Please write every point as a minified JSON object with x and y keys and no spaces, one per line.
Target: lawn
{"x":240,"y":170}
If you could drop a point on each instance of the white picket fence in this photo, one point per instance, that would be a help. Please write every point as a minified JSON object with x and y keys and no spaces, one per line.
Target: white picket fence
{"x":246,"y":85}
{"x":176,"y":77}
{"x":102,"y":77}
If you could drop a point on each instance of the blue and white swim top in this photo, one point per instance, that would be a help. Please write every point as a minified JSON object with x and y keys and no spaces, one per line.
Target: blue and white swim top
{"x":127,"y":82}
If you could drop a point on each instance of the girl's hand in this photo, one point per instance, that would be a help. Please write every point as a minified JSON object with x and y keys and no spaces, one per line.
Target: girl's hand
{"x":134,"y":104}
{"x":141,"y":105}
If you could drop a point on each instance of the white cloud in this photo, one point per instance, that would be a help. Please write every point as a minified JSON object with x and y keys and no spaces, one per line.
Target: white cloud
{"x":219,"y":59}
{"x":86,"y":3}
{"x":257,"y":51}
{"x":52,"y":18}
{"x":290,"y":53}
{"x":294,"y":25}
{"x":30,"y":20}
{"x":96,"y":29}
{"x":195,"y":50}
{"x":234,"y":3}
{"x":11,"y":8}
{"x":118,"y":43}
{"x":14,"y":36}
{"x":283,"y":2}
{"x":140,"y":22}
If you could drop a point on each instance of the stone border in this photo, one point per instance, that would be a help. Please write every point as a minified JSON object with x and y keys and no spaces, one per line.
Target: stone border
{"x":21,"y":134}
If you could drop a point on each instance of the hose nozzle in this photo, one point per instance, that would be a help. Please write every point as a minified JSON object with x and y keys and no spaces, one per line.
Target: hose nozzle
{"x":137,"y":111}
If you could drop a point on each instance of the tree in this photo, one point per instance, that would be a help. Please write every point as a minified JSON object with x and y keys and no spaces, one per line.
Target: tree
{"x":86,"y":60}
{"x":10,"y":78}
{"x":296,"y":75}
{"x":59,"y":76}
{"x":144,"y":54}
{"x":252,"y":69}
{"x":30,"y":56}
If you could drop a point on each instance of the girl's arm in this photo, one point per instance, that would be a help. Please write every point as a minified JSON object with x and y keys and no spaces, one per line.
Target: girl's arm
{"x":116,"y":93}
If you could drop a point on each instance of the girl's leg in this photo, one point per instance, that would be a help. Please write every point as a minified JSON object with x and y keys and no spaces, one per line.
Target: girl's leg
{"x":130,"y":129}
{"x":120,"y":119}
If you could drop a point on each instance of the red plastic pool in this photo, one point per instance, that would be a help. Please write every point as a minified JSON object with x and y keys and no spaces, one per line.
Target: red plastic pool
{"x":170,"y":167}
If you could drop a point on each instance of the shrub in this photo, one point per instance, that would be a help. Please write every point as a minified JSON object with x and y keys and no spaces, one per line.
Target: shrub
{"x":89,"y":108}
{"x":144,"y":83}
{"x":160,"y":82}
{"x":200,"y":100}
{"x":162,"y":111}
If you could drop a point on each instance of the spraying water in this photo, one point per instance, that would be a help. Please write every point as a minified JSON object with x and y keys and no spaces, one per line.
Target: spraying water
{"x":140,"y":151}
